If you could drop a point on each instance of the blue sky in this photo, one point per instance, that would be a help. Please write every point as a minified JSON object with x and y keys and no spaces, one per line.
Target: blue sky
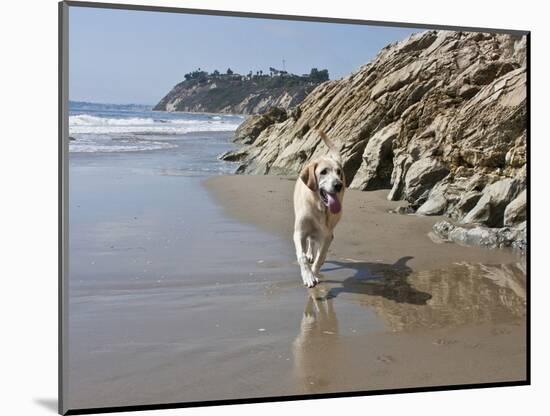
{"x":123,"y":56}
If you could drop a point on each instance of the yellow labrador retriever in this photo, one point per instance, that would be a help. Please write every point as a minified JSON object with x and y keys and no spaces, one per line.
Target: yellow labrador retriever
{"x":318,"y":198}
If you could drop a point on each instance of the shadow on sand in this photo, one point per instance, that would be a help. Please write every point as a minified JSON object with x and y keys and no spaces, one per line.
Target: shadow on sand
{"x":377,"y":279}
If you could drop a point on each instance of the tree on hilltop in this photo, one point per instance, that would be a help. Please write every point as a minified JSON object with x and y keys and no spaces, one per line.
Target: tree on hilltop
{"x":318,"y":76}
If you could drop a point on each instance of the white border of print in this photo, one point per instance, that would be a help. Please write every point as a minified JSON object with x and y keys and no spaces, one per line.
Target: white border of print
{"x":29,"y":204}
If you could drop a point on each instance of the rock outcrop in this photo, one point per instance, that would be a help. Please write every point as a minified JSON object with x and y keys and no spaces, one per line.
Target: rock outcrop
{"x":516,"y":237}
{"x":438,"y":119}
{"x":236,"y":94}
{"x":516,"y":211}
{"x":251,"y":128}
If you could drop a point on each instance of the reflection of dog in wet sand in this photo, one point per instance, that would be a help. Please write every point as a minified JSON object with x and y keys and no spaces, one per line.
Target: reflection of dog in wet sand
{"x":318,"y":199}
{"x":316,"y":348}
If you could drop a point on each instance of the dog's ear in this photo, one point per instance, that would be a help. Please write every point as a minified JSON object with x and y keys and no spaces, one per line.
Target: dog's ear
{"x":308,"y":176}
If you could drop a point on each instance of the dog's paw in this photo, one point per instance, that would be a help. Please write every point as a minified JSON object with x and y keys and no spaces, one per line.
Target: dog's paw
{"x":310,"y":280}
{"x":308,"y":319}
{"x":316,"y":272}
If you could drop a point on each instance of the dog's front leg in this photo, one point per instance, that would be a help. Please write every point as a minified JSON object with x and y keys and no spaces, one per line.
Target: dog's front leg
{"x":300,"y":242}
{"x":321,"y":255}
{"x":311,"y":250}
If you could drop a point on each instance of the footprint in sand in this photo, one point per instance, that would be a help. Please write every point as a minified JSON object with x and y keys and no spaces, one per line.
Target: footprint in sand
{"x":500,"y":331}
{"x":386,"y":359}
{"x":442,"y":342}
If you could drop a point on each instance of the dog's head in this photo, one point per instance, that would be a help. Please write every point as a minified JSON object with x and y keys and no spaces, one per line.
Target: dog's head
{"x":325,"y":177}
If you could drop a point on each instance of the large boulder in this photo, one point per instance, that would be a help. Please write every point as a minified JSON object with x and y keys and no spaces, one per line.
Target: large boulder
{"x":402,"y":163}
{"x":467,"y":201}
{"x":516,"y":211}
{"x":377,"y":165}
{"x":515,"y":237}
{"x":436,"y":204}
{"x":421,"y":178}
{"x":489,"y":210}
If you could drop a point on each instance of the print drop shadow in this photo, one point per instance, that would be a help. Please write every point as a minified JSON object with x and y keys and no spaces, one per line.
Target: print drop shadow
{"x":377,"y":279}
{"x":49,"y":404}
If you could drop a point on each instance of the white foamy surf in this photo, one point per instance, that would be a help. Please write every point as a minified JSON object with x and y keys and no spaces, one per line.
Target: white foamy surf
{"x":87,"y":124}
{"x":91,"y":143}
{"x":110,"y":128}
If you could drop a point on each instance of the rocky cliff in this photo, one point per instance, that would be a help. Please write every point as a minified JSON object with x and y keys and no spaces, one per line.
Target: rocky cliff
{"x":438,"y":119}
{"x":236,"y":94}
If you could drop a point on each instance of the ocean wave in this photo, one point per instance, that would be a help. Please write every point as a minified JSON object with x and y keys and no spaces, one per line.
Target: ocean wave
{"x":88,"y":124}
{"x":88,"y":120}
{"x":98,"y":147}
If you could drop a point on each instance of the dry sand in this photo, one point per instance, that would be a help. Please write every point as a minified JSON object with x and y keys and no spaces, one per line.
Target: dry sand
{"x":367,"y":231}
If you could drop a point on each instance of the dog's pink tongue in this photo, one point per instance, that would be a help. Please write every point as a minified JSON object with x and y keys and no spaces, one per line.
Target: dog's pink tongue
{"x":333,"y":203}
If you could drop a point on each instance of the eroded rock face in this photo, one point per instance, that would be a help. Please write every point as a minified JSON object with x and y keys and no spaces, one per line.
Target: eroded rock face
{"x":250,"y":129}
{"x":437,"y":202}
{"x":489,"y":209}
{"x":516,"y":211}
{"x":375,"y":172}
{"x":435,"y":119}
{"x":421,"y":177}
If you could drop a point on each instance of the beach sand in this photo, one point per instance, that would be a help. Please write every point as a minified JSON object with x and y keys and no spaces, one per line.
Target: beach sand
{"x":185,"y":288}
{"x":444,"y":321}
{"x":366,"y":231}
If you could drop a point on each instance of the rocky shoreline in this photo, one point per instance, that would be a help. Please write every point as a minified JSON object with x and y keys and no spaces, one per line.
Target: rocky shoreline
{"x":439,"y":119}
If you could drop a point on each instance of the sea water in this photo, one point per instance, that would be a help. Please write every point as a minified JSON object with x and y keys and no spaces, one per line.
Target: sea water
{"x":195,"y":138}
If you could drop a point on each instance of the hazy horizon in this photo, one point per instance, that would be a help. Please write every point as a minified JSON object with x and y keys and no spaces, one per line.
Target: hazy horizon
{"x":136,"y":57}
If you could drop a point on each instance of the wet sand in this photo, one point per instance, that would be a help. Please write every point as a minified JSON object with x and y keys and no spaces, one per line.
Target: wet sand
{"x":185,"y":288}
{"x":449,"y":314}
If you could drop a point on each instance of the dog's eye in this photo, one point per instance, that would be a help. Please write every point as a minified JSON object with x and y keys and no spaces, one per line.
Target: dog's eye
{"x":324,"y":172}
{"x":338,"y":172}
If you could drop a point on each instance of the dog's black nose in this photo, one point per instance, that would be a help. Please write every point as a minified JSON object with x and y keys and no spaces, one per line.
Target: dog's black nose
{"x":337,"y":187}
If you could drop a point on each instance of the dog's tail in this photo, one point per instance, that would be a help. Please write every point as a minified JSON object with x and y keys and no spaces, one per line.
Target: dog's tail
{"x":327,"y":141}
{"x":332,"y":148}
